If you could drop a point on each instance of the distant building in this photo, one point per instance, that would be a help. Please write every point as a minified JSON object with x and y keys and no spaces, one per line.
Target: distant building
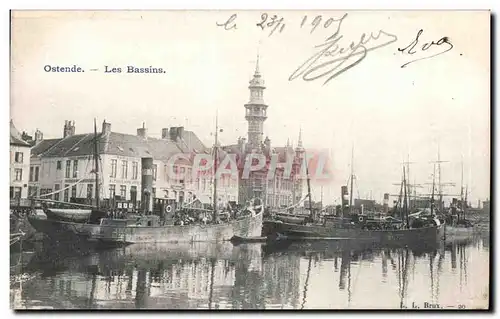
{"x":67,"y":163}
{"x":19,"y":164}
{"x":367,"y":204}
{"x":486,"y":206}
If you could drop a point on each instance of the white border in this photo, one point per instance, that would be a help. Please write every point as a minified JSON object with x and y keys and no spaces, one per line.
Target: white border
{"x":197,"y":5}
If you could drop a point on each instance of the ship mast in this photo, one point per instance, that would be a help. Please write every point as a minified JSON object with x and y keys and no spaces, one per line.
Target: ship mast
{"x":432,"y":193}
{"x":96,"y":160}
{"x":462,"y":206}
{"x":465,"y":204}
{"x":405,"y":204}
{"x":321,"y":198}
{"x":215,"y":167}
{"x":352,"y":178}
{"x":311,"y":213}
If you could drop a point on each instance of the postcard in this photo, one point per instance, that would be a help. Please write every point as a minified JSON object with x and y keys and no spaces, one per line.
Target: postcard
{"x":251,"y":159}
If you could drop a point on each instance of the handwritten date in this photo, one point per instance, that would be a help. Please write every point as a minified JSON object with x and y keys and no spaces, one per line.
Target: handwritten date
{"x":274,"y":21}
{"x":276,"y":24}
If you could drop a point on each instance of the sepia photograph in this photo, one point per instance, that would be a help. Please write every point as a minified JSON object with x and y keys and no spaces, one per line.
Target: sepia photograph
{"x":250,"y":159}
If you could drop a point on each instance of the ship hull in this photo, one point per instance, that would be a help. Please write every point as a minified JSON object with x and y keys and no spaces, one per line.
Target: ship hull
{"x":250,"y":226}
{"x":422,"y":235}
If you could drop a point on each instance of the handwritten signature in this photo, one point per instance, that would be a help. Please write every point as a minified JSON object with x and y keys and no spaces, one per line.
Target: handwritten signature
{"x":341,"y":58}
{"x":410,"y":49}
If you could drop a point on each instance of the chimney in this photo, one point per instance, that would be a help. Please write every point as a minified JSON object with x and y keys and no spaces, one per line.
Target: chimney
{"x":164,"y":133}
{"x":69,"y":128}
{"x":386,"y":203}
{"x":142,"y":132}
{"x":173,"y":134}
{"x":180,"y":132}
{"x":106,"y":127}
{"x":38,"y":136}
{"x":345,"y":197}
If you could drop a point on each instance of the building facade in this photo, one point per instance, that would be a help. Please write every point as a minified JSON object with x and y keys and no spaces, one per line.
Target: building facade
{"x":19,"y":164}
{"x":66,"y":167}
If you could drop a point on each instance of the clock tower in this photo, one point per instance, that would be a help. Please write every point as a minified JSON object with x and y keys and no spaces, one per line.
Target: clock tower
{"x":256,"y":111}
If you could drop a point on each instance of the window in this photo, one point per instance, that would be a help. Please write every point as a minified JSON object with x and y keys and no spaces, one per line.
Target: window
{"x":90,"y":191}
{"x":15,"y":192}
{"x":59,"y":165}
{"x":112,"y":191}
{"x":123,"y":191}
{"x":37,"y":173}
{"x":68,"y":168}
{"x":75,"y":168}
{"x":124,"y":169}
{"x":113,"y":168}
{"x":19,"y":157}
{"x":44,"y":191}
{"x":19,"y":174}
{"x":66,"y":193}
{"x":56,"y":189}
{"x":134,"y":170}
{"x":31,"y":173}
{"x":73,"y":192}
{"x":133,"y":194}
{"x":153,"y":192}
{"x":154,"y":171}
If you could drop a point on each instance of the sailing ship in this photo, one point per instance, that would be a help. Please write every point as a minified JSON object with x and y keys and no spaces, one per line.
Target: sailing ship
{"x":79,"y":213}
{"x":426,"y":232}
{"x":458,"y":226}
{"x":149,"y":228}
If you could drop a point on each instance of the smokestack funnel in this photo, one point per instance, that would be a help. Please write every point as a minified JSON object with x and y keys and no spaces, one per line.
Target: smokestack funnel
{"x":147,"y":184}
{"x":386,"y":203}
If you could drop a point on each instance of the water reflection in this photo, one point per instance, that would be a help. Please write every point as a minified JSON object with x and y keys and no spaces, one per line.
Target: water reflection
{"x":327,"y":274}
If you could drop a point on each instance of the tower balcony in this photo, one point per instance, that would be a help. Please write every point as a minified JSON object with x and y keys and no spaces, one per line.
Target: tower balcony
{"x":255,"y":117}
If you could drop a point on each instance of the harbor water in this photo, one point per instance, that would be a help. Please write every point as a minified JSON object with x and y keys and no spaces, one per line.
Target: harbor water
{"x":301,"y":275}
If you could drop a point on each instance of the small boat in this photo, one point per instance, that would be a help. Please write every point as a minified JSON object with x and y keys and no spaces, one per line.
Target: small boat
{"x":257,"y":239}
{"x":78,"y":213}
{"x":290,"y":218}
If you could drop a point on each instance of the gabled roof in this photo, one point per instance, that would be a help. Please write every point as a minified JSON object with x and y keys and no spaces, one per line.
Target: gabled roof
{"x":15,"y":136}
{"x":118,"y":144}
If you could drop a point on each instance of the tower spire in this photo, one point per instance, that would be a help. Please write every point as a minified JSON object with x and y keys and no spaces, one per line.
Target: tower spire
{"x":257,"y":70}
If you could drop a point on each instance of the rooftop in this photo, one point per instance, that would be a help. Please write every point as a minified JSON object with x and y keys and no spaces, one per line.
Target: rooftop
{"x":119,"y":144}
{"x":15,"y":136}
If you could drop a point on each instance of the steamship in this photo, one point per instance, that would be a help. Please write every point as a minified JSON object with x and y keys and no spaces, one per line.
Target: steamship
{"x":424,"y":231}
{"x":148,"y":228}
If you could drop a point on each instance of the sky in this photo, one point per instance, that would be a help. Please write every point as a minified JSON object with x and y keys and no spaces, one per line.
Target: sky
{"x":385,"y":112}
